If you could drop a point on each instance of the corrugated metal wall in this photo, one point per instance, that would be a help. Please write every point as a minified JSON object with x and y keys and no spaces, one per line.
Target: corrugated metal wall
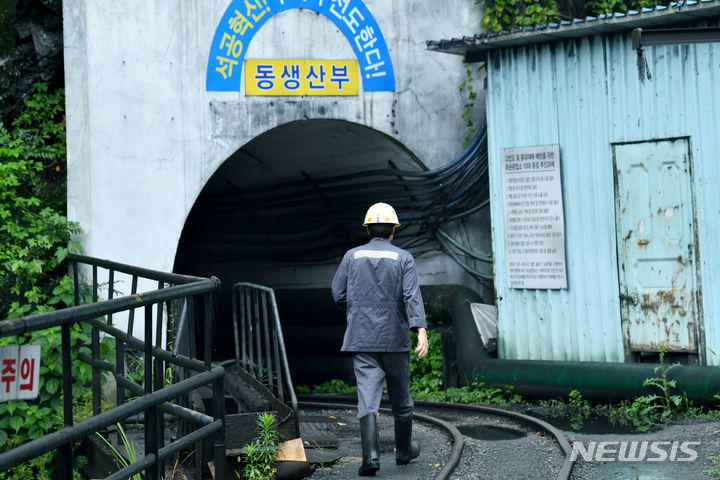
{"x":585,"y":94}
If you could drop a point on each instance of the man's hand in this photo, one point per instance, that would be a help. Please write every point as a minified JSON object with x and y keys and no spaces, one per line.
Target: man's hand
{"x":422,"y":344}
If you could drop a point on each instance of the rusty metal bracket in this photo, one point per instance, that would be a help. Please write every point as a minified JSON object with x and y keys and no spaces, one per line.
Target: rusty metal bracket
{"x":671,"y":36}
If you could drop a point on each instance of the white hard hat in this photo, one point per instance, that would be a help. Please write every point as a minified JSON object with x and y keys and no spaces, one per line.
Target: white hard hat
{"x":381,"y":213}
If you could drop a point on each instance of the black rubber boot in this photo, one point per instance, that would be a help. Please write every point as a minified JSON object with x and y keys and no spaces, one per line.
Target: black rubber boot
{"x":405,"y":448}
{"x":369,"y":441}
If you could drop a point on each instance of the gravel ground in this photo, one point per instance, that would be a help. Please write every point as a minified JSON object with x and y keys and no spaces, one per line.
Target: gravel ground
{"x":529,"y":454}
{"x":532,"y":451}
{"x":684,"y":466}
{"x":489,"y":455}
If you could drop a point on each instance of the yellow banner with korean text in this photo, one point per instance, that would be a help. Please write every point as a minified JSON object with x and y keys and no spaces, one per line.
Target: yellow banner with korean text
{"x":283,"y":77}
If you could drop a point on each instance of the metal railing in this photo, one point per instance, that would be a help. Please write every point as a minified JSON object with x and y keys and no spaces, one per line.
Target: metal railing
{"x":181,"y":304}
{"x":259,"y":342}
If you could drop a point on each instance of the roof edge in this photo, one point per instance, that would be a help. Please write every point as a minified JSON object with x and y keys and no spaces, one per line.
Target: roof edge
{"x":475,"y":48}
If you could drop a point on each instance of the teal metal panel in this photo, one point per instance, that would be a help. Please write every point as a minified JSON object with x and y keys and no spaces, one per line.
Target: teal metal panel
{"x":585,"y":95}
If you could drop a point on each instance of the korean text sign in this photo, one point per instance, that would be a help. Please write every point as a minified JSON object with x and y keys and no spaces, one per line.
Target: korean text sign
{"x":243,"y":18}
{"x":534,"y":217}
{"x":301,"y":77}
{"x":19,"y":372}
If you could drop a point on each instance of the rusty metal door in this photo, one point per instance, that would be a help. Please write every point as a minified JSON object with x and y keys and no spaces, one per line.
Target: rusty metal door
{"x":656,"y":245}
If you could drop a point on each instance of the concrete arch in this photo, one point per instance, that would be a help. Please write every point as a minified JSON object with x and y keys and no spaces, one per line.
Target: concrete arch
{"x":242,"y":20}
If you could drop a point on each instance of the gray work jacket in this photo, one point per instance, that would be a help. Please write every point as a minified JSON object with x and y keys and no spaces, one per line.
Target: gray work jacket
{"x":377,"y":284}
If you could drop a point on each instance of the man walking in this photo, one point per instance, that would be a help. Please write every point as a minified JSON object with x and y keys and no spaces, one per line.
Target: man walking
{"x":377,"y":285}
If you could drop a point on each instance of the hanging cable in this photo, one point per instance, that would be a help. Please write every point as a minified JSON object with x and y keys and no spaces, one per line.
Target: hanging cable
{"x":456,"y":244}
{"x":293,"y":217}
{"x":465,"y":266}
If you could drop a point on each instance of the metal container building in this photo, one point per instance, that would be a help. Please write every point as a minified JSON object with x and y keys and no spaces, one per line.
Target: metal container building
{"x":640,"y":171}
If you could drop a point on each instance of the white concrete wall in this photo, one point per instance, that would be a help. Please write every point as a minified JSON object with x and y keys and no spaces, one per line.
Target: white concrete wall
{"x":144,"y":135}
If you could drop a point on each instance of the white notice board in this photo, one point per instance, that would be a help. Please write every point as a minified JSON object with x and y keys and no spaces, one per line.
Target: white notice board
{"x":533,"y":216}
{"x":19,"y":372}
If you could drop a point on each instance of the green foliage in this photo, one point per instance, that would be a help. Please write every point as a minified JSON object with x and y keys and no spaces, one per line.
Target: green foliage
{"x":646,"y":411}
{"x":508,"y":14}
{"x":129,"y":449}
{"x":22,"y":421}
{"x":426,"y":380}
{"x":478,"y":393}
{"x":260,"y":453}
{"x":577,"y":409}
{"x":426,"y":375}
{"x":7,"y":30}
{"x":640,"y":413}
{"x":34,"y":232}
{"x":715,"y":470}
{"x":669,"y":402}
{"x":34,"y":243}
{"x":467,"y":86}
{"x":331,"y":386}
{"x":597,"y":7}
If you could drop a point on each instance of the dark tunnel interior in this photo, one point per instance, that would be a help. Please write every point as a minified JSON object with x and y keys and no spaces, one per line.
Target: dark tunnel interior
{"x":292,"y":200}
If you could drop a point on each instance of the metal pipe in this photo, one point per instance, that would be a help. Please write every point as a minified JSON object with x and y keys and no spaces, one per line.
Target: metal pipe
{"x":151,"y":439}
{"x":235,"y":325}
{"x":111,"y":291}
{"x":95,"y":348}
{"x":65,"y":452}
{"x":166,"y":452}
{"x":131,"y":313}
{"x":158,"y":380}
{"x":137,"y":344}
{"x":219,"y":438}
{"x":243,"y":328}
{"x":271,"y":367}
{"x":77,"y":432}
{"x":247,"y":361}
{"x":207,"y":328}
{"x":172,"y":278}
{"x":596,"y":381}
{"x":258,"y":344}
{"x":41,"y":321}
{"x":122,"y":380}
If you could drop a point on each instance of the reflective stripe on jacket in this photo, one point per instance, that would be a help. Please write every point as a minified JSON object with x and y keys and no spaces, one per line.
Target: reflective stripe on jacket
{"x":377,"y":284}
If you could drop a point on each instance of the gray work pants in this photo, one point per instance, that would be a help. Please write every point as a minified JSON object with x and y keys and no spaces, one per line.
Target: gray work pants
{"x":371,"y":368}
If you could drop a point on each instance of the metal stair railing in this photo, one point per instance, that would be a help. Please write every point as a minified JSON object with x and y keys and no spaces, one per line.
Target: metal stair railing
{"x":259,"y":342}
{"x":174,"y":293}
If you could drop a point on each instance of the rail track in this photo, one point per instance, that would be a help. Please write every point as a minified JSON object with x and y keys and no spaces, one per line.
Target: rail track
{"x":438,"y":428}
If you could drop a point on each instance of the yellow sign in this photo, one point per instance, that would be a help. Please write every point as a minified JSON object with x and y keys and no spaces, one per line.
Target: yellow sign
{"x":301,"y":77}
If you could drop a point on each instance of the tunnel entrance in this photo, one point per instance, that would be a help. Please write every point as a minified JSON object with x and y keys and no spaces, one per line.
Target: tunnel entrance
{"x":283,"y":209}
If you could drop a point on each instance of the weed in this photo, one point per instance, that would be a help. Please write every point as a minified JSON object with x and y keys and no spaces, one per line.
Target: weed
{"x":129,"y":449}
{"x":639,"y":413}
{"x":260,"y":453}
{"x":426,"y":375}
{"x":716,"y":468}
{"x":579,"y":409}
{"x":331,"y":386}
{"x":669,"y":402}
